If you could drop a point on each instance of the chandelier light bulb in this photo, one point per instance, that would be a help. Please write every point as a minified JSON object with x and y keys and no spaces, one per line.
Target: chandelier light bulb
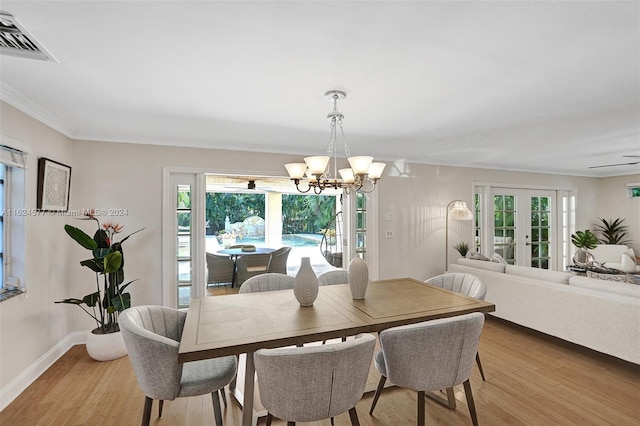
{"x":317,"y":165}
{"x":347,"y":176}
{"x":296,"y":170}
{"x":360,"y":164}
{"x":375,"y":170}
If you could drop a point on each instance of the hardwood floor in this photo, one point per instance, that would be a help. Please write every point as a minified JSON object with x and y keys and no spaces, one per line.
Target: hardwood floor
{"x":531,"y":380}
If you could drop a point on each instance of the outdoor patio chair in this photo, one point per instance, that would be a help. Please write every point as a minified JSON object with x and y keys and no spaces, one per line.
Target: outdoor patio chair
{"x":278,"y":264}
{"x":250,"y":265}
{"x":220,"y":269}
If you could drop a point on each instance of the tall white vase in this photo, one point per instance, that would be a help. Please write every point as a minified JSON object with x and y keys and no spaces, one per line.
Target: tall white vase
{"x":358,"y":277}
{"x":305,"y":286}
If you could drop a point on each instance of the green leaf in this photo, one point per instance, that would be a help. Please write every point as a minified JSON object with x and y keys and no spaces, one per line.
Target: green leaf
{"x":80,"y":237}
{"x":121,"y":302}
{"x":112,"y":262}
{"x":101,"y":252}
{"x":71,"y":301}
{"x":101,"y":239}
{"x":93,"y":265}
{"x":92,"y":299}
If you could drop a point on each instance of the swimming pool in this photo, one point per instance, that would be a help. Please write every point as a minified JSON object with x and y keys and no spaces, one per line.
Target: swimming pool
{"x":290,"y":240}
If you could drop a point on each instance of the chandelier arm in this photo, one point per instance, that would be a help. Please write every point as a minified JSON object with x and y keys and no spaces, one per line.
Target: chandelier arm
{"x":297,"y":182}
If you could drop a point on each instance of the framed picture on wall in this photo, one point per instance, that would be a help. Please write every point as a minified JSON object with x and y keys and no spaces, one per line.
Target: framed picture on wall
{"x":54,"y":183}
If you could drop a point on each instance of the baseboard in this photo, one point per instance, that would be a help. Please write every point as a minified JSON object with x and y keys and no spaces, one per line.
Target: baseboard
{"x":35,"y":370}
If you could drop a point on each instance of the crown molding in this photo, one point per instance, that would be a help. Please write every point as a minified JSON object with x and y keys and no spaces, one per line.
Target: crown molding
{"x":31,"y":108}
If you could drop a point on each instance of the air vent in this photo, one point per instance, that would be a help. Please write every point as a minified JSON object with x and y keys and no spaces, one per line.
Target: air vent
{"x":15,"y":40}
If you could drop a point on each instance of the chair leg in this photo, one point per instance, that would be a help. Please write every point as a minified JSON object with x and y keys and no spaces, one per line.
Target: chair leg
{"x":217,"y":412}
{"x":291,"y":423}
{"x":353,"y":414}
{"x":470,"y":403}
{"x":421,"y":403}
{"x":224,"y":396}
{"x":160,"y":407}
{"x":269,"y":419}
{"x":383,"y":379}
{"x":480,"y":366}
{"x":146,"y":415}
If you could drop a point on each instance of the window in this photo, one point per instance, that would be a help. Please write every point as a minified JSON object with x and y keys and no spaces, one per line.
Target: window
{"x":634,"y":190}
{"x":361,"y":225}
{"x":12,"y":216}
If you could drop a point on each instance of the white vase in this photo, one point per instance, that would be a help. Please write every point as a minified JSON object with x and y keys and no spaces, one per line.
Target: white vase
{"x":105,"y":347}
{"x":358,"y":277}
{"x":305,"y":287}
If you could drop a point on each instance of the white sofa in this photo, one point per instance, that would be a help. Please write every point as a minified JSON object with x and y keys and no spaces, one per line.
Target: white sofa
{"x":616,"y":256}
{"x":599,"y":314}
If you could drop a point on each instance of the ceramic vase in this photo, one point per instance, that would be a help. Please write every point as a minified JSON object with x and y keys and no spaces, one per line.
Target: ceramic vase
{"x":105,"y":347}
{"x":358,"y":277}
{"x":305,"y":287}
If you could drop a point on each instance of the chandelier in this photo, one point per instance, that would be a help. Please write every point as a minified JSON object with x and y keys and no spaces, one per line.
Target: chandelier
{"x":322,"y":171}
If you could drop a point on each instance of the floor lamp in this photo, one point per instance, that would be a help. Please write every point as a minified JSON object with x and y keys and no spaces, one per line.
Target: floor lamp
{"x":460,"y":211}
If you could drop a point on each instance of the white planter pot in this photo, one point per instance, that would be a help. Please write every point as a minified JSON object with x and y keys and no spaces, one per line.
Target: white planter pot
{"x":105,"y":347}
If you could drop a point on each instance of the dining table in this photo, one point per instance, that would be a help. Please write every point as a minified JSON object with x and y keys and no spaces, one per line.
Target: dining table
{"x":244,"y":323}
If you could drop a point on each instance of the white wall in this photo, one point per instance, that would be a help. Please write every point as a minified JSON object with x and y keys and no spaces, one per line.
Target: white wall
{"x":128,"y":176}
{"x":31,"y":325}
{"x":612,"y":203}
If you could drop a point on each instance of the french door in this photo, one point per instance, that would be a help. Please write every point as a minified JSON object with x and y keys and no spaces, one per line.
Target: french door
{"x":522,"y":226}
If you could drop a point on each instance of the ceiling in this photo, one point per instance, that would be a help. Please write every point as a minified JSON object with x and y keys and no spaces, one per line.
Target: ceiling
{"x":539,"y":86}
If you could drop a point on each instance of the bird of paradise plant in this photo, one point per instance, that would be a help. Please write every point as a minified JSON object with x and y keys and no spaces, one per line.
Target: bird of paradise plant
{"x":107,"y":261}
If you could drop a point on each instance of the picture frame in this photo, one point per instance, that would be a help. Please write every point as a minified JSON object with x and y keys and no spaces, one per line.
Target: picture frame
{"x":54,"y":185}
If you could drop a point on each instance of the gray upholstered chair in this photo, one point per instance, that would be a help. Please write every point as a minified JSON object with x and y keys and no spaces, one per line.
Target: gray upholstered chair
{"x":430,"y":356}
{"x":250,"y":265}
{"x":316,"y":382}
{"x":220,"y":269}
{"x":336,"y":276}
{"x":267,"y":282}
{"x":466,"y":284}
{"x":278,"y":264}
{"x":152,"y":337}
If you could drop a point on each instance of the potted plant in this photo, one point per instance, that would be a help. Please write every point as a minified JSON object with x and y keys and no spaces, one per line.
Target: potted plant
{"x":109,"y":297}
{"x":462,"y":248}
{"x":612,"y":231}
{"x":584,"y":241}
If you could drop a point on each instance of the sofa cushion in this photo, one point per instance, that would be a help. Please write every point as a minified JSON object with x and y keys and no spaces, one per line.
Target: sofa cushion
{"x":482,"y":264}
{"x":606,"y":286}
{"x":539,"y":274}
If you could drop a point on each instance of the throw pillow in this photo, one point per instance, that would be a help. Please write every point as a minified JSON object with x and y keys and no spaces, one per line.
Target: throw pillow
{"x":476,"y":256}
{"x":498,"y":259}
{"x":628,"y":263}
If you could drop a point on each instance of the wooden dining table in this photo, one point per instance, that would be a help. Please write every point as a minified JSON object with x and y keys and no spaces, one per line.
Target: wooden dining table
{"x":243,"y":323}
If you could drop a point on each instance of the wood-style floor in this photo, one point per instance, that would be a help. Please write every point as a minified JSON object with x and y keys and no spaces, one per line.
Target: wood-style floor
{"x":531,"y":380}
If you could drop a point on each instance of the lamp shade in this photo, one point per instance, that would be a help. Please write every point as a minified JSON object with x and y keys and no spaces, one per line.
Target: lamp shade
{"x":375,"y":170}
{"x":460,"y":211}
{"x":347,"y":175}
{"x":317,"y":165}
{"x":360,"y":164}
{"x":296,"y":170}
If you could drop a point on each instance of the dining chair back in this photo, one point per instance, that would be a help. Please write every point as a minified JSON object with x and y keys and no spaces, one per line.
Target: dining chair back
{"x":220,"y":269}
{"x":462,"y":283}
{"x":152,"y":336}
{"x":278,"y":264}
{"x":430,"y":356}
{"x":312,"y":383}
{"x":250,"y":265}
{"x":267,"y":282}
{"x":466,"y":284}
{"x":335,"y":276}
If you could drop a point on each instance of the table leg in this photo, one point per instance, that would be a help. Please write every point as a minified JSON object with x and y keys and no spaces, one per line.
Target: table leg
{"x":247,"y":404}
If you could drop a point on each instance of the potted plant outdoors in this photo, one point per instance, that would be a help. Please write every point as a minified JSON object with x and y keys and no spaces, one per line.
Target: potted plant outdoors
{"x":584,"y":241}
{"x":109,"y":297}
{"x":462,"y":248}
{"x":612,"y":231}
